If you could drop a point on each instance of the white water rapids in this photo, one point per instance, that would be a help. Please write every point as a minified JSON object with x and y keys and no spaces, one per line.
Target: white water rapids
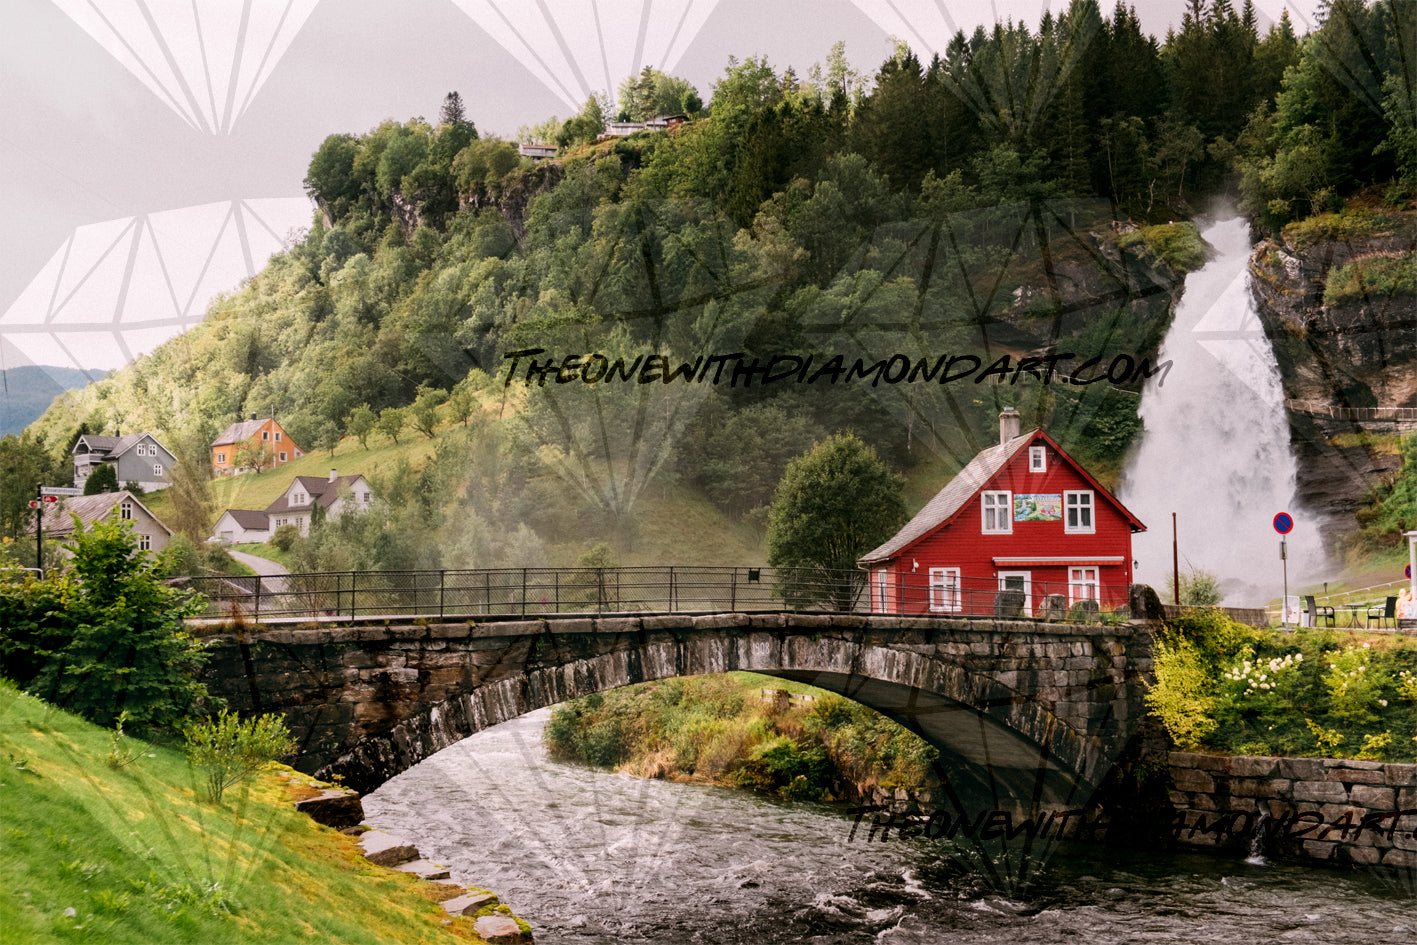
{"x":1216,"y":448}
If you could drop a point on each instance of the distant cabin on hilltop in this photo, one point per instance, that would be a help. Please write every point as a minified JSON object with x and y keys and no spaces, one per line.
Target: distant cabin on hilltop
{"x":1021,"y":517}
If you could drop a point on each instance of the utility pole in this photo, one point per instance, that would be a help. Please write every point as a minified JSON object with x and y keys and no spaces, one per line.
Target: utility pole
{"x":1175,"y":563}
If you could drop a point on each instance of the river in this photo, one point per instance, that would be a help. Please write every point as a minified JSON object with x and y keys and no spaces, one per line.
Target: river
{"x":589,"y":856}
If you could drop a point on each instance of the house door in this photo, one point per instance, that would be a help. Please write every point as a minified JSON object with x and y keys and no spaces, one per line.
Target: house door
{"x":1019,"y":581}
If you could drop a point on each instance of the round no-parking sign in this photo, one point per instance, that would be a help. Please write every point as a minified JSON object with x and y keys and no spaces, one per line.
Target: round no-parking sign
{"x":1283,"y":522}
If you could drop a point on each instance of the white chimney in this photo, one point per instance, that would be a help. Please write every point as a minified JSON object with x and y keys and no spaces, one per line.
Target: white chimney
{"x":333,"y":474}
{"x":1009,"y":421}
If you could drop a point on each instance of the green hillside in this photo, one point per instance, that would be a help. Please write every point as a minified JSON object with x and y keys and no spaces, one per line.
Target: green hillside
{"x":94,"y":853}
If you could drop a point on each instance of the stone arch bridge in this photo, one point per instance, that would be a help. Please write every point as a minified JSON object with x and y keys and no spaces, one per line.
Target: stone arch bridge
{"x":1028,"y":710}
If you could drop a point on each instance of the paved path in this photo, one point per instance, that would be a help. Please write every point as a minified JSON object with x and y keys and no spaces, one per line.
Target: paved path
{"x":262,"y":566}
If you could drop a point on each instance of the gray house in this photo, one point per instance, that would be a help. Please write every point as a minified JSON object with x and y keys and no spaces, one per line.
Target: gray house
{"x":138,"y":458}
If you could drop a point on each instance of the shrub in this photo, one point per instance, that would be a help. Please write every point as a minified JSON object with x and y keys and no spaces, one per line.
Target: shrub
{"x":1181,"y":695}
{"x":105,"y":636}
{"x":1199,"y":588}
{"x":285,"y":537}
{"x":232,"y":750}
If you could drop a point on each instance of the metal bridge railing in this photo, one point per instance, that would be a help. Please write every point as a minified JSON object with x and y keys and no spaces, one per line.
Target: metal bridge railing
{"x":667,"y":589}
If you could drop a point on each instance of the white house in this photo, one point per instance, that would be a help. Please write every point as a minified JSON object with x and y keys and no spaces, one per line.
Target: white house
{"x":335,"y":495}
{"x":242,"y":526}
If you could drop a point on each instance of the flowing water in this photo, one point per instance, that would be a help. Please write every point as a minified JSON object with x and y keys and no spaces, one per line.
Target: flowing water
{"x":1216,"y":448}
{"x":589,"y":856}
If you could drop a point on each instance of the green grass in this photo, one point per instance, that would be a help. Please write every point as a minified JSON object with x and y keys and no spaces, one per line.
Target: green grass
{"x":1352,"y":224}
{"x":1178,"y":244}
{"x":1372,"y":278}
{"x":93,"y":854}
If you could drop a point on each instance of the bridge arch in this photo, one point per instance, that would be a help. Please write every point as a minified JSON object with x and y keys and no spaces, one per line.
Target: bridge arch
{"x":1015,"y":708}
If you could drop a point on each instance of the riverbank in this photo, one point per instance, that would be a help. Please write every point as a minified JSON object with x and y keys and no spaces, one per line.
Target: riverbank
{"x":787,"y":739}
{"x":94,"y":852}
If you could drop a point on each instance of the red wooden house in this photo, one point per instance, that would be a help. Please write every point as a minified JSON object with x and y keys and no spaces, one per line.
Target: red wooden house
{"x":1022,"y":515}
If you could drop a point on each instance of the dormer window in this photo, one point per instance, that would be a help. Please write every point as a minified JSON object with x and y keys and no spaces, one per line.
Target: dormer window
{"x":1037,"y":459}
{"x":297,"y":498}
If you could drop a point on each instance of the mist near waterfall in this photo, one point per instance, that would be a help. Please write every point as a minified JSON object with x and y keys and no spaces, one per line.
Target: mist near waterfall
{"x":1216,"y":444}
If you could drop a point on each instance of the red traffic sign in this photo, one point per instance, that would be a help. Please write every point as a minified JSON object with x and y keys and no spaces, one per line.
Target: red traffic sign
{"x":34,"y":503}
{"x":51,"y":498}
{"x":1283,"y":522}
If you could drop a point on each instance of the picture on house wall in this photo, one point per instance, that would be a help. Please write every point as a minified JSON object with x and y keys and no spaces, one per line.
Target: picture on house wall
{"x":1038,"y":508}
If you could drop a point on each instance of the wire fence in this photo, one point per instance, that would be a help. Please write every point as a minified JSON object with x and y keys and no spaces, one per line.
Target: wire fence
{"x":542,"y":591}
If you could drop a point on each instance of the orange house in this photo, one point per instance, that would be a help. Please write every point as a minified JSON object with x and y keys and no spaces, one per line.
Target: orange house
{"x":244,"y":444}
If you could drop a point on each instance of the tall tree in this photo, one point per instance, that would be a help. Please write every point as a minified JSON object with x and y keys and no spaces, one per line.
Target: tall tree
{"x":834,"y":504}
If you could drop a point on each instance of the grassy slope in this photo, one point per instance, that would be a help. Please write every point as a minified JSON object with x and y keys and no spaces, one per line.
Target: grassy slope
{"x":139,"y":858}
{"x":674,"y":524}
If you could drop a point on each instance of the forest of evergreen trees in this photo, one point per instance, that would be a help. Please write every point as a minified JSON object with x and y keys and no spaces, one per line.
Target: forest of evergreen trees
{"x":1025,"y":191}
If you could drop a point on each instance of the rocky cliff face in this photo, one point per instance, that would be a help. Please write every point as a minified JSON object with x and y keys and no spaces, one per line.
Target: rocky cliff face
{"x":1348,"y":367}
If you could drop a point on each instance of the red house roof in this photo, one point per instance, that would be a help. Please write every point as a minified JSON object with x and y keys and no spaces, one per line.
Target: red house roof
{"x":964,"y":488}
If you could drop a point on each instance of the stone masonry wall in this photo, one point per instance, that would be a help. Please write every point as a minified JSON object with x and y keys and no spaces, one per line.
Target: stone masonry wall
{"x":1331,"y":810}
{"x":374,"y":699}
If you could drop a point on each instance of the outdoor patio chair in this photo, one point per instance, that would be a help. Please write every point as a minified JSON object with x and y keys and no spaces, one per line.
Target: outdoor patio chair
{"x":1316,"y":613}
{"x":1384,"y":613}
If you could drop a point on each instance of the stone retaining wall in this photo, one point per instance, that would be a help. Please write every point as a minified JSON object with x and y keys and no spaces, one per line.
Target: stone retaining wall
{"x":1331,"y":810}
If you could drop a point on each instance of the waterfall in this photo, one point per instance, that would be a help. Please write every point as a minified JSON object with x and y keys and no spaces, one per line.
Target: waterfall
{"x":1215,"y":447}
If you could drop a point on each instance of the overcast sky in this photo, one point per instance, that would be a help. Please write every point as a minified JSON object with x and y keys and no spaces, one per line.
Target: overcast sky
{"x":152,"y":159}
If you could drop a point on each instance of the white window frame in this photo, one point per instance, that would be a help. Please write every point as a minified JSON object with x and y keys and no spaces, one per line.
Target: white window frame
{"x":157,"y":469}
{"x":1037,"y":459}
{"x":989,"y":502}
{"x":282,"y":456}
{"x":1083,"y":583}
{"x":221,"y":457}
{"x":945,"y":594}
{"x":145,"y":543}
{"x":297,"y":498}
{"x":125,"y":511}
{"x":1027,"y":587}
{"x":277,"y":436}
{"x":1082,"y":502}
{"x":265,"y":435}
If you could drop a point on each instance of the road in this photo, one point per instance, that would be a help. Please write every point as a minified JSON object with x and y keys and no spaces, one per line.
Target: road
{"x":265,"y":567}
